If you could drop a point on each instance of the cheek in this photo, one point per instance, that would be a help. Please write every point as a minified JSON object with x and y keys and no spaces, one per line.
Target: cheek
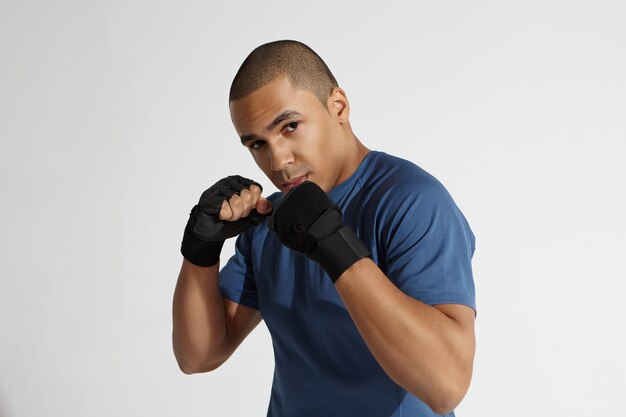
{"x":323,"y":147}
{"x":261,"y":161}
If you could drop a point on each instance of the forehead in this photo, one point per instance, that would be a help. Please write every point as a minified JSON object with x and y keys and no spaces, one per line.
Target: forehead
{"x":254,"y":111}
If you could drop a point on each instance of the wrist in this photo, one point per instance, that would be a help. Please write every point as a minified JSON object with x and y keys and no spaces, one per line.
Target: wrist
{"x":339,"y":251}
{"x":200,"y":252}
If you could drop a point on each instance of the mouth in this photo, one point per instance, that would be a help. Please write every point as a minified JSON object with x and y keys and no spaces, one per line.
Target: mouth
{"x":292,"y":184}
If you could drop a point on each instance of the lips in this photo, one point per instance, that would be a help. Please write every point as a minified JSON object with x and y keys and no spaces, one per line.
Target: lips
{"x":289,"y":185}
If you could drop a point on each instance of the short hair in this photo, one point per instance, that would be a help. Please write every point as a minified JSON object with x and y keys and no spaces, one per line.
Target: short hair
{"x":299,"y":63}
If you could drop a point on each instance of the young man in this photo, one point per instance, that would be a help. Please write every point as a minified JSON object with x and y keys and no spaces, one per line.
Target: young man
{"x":360,"y":265}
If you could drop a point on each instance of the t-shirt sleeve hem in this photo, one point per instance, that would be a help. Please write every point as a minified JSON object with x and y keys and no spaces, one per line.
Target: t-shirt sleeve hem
{"x":239,"y":299}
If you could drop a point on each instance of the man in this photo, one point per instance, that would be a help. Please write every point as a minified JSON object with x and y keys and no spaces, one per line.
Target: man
{"x":360,"y":265}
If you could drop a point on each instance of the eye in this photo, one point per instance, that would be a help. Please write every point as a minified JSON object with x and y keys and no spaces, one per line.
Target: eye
{"x":291,"y":127}
{"x":256,"y":144}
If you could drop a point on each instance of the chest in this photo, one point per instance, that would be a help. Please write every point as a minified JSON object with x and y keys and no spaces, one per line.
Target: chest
{"x":289,"y":279}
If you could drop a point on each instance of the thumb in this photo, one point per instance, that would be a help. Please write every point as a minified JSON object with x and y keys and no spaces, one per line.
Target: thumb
{"x":263,"y":205}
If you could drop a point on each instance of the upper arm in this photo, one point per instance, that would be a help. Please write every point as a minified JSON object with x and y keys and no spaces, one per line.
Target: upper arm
{"x":239,"y":294}
{"x":463,"y":315}
{"x":240,"y":321}
{"x":426,"y":244}
{"x":463,"y":338}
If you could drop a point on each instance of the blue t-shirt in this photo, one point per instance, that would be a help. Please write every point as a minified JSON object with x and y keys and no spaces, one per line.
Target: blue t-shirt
{"x":419,"y":239}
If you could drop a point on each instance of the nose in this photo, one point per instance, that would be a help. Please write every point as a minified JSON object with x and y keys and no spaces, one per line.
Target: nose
{"x":280,"y":155}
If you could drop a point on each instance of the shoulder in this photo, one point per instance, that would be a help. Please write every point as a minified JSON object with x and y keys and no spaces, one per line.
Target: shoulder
{"x":396,"y":182}
{"x":403,"y":199}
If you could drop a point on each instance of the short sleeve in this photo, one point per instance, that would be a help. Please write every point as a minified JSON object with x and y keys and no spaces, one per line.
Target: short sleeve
{"x":427,"y":243}
{"x":236,"y":278}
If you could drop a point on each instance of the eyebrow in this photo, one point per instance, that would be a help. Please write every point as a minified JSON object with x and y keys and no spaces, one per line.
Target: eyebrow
{"x":287,"y":114}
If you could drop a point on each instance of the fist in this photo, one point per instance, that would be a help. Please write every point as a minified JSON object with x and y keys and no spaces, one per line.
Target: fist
{"x":307,"y":221}
{"x":240,"y":205}
{"x":228,"y":208}
{"x":304,"y":217}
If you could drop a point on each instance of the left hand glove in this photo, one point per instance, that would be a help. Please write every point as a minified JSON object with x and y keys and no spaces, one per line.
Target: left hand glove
{"x":307,"y":221}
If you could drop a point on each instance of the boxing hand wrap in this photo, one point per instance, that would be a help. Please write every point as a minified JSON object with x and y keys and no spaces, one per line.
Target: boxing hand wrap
{"x":308,"y":222}
{"x":205,"y":232}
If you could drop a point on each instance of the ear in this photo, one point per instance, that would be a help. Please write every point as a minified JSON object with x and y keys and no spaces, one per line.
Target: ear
{"x":338,"y":105}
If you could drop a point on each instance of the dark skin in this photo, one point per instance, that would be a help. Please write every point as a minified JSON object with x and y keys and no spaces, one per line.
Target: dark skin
{"x":427,"y":350}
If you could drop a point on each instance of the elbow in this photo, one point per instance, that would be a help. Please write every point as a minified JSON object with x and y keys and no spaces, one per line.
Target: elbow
{"x":194,"y":362}
{"x":189,"y":368}
{"x":447,"y":399}
{"x":443,"y":405}
{"x":442,"y":395}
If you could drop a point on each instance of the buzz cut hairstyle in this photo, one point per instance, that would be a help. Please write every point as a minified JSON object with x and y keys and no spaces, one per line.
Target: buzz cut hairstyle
{"x":292,"y":59}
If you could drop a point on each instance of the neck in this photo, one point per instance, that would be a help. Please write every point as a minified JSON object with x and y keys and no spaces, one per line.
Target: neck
{"x":357,"y":149}
{"x":355,"y":152}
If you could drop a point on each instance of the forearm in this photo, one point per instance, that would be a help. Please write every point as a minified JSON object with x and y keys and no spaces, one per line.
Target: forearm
{"x":199,"y":318}
{"x":419,"y":347}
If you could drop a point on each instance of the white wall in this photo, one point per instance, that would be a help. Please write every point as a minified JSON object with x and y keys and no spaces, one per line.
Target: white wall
{"x":114,"y":118}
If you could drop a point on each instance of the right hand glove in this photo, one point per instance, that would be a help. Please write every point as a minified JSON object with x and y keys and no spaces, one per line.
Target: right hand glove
{"x":205,"y":232}
{"x":307,"y":221}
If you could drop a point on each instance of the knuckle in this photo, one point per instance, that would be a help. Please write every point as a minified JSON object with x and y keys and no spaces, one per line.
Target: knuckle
{"x":246,"y":196}
{"x":235,"y":201}
{"x":237,"y":209}
{"x":255,"y":189}
{"x":225,"y":212}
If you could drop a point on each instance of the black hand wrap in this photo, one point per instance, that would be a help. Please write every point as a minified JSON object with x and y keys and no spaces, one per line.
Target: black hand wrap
{"x":308,"y":222}
{"x":205,"y":233}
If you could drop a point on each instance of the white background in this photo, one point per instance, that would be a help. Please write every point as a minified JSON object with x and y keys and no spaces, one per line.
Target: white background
{"x":114,"y":118}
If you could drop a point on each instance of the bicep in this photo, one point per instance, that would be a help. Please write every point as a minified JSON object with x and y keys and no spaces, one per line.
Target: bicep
{"x":463,"y":318}
{"x":240,"y":321}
